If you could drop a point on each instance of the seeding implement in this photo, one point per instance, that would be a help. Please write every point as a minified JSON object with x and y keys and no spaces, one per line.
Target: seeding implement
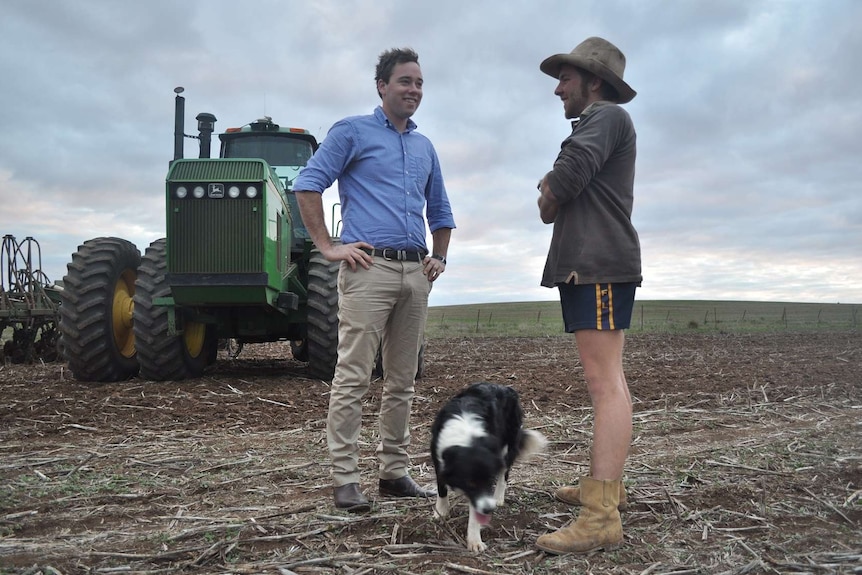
{"x":28,"y":304}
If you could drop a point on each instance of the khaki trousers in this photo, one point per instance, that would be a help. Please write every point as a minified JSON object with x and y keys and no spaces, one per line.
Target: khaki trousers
{"x":387,"y":303}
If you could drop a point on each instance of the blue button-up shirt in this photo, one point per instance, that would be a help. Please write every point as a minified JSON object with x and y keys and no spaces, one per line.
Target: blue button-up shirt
{"x":385,"y":181}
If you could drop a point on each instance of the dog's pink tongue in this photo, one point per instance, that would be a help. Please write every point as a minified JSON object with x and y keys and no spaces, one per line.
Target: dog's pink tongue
{"x":482,"y":518}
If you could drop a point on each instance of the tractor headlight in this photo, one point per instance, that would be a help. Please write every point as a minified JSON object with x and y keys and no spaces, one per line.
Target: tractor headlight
{"x":251,"y":192}
{"x":182,"y":192}
{"x":233,"y":191}
{"x":198,"y":192}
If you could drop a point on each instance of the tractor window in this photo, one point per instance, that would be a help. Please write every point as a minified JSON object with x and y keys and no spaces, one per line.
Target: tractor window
{"x":276,"y":150}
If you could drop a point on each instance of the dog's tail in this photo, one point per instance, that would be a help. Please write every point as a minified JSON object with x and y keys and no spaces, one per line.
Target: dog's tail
{"x":532,"y":442}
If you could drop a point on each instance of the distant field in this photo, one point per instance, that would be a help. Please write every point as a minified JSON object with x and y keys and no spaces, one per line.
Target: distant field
{"x":531,"y":319}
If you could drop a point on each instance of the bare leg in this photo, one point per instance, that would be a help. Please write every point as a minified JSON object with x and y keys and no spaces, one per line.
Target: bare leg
{"x":601,"y":354}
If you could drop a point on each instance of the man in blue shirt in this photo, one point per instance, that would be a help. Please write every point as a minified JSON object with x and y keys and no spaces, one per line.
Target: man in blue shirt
{"x":389,"y":181}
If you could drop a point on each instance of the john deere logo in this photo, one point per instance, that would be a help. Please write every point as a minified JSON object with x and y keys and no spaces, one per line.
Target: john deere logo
{"x":216,"y":191}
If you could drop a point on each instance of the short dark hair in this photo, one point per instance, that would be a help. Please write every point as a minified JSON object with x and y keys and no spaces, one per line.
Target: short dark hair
{"x":389,"y":59}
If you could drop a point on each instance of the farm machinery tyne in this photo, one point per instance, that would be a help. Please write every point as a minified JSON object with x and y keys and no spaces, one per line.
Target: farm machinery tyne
{"x":237,"y":263}
{"x":29,"y":304}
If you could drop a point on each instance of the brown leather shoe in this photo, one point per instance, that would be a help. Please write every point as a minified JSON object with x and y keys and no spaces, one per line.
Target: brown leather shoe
{"x":404,"y":487}
{"x":350,"y":498}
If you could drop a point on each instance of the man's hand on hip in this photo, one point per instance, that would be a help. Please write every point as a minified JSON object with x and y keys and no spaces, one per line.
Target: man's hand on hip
{"x":350,"y":253}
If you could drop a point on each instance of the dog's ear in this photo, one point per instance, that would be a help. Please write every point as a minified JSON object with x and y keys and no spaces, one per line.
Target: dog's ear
{"x":491,"y":443}
{"x":451,"y":454}
{"x":463,"y":461}
{"x":452,"y":463}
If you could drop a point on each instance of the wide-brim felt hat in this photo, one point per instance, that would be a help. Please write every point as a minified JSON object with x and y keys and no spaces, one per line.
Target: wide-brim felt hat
{"x":598,"y":56}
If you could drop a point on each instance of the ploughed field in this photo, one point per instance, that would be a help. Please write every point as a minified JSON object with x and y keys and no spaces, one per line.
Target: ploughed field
{"x":746,"y":458}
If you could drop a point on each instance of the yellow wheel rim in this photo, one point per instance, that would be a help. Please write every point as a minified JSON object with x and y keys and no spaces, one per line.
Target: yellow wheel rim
{"x":122,"y":311}
{"x":194,"y":334}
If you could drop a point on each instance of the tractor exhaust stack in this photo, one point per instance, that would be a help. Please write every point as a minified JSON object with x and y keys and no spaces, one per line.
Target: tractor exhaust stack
{"x":206,"y":126}
{"x":179,"y":120}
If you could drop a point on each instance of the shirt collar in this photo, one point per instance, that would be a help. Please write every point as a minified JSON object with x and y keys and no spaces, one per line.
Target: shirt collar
{"x":589,"y":110}
{"x":593,"y":107}
{"x":381,"y":117}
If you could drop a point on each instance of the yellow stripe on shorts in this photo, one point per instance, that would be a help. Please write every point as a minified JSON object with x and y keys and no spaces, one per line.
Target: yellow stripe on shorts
{"x":611,"y":306}
{"x":599,"y":306}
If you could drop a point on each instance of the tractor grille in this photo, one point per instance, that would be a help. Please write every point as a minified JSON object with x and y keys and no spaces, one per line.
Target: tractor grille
{"x":218,"y":170}
{"x":215,"y":236}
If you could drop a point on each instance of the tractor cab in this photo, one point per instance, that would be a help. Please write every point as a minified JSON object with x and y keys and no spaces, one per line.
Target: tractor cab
{"x":286,"y":150}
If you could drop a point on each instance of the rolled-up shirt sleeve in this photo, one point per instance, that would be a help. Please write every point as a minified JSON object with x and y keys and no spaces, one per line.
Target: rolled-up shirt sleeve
{"x":438,"y":210}
{"x":329,"y":161}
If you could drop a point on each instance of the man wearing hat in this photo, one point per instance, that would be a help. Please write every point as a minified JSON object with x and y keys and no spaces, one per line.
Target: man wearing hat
{"x":594,"y":260}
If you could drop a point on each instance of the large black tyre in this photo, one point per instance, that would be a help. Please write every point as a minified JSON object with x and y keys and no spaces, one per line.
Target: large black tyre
{"x":322,"y":341}
{"x":164,"y":356}
{"x":98,"y":341}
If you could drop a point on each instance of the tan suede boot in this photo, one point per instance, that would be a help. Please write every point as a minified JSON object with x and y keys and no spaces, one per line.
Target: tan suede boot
{"x":598,"y":525}
{"x":572,"y":495}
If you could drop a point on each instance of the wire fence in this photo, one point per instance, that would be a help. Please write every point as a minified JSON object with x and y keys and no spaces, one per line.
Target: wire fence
{"x":532,"y":319}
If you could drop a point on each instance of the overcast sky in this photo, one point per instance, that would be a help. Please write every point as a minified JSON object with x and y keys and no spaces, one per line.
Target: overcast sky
{"x":748,"y":115}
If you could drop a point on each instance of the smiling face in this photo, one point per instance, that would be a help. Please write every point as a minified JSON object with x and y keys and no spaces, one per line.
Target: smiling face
{"x":402,"y":94}
{"x":575,"y":91}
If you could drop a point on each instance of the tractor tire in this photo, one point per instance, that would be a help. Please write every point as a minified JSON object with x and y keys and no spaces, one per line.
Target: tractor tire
{"x":162,"y":355}
{"x":322,"y":341}
{"x":98,"y":341}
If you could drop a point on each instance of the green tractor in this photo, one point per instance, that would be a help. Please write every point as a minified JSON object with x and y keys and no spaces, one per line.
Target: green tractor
{"x":237,"y":265}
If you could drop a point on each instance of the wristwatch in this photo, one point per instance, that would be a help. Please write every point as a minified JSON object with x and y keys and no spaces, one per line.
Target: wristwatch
{"x":439,"y":257}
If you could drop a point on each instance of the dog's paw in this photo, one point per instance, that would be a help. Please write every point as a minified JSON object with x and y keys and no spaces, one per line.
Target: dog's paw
{"x":475,"y":545}
{"x":441,"y":508}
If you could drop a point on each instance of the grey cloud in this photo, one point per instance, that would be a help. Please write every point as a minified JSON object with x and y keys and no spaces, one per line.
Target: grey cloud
{"x":747,"y":118}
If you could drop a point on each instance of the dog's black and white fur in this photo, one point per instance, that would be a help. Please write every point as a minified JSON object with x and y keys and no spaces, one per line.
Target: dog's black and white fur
{"x":476,"y":437}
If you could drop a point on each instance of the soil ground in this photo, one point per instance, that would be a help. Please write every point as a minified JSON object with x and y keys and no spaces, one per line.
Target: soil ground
{"x":746,"y":458}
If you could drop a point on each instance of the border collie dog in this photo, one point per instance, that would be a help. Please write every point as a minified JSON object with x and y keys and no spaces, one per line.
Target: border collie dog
{"x":476,"y":437}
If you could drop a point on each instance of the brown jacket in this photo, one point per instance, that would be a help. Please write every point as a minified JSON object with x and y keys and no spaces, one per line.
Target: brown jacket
{"x":594,"y":240}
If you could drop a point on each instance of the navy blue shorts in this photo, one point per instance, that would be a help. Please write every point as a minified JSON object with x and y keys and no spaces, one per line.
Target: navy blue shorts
{"x":597,"y":306}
